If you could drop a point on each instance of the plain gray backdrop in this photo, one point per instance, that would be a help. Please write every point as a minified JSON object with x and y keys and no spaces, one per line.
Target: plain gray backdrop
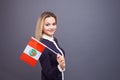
{"x":88,"y":30}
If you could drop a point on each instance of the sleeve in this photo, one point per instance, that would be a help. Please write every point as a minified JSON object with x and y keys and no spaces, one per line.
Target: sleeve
{"x":49,"y":71}
{"x":60,"y":69}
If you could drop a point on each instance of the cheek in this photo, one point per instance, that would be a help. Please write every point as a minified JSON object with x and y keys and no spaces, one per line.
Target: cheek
{"x":55,"y":27}
{"x":44,"y":29}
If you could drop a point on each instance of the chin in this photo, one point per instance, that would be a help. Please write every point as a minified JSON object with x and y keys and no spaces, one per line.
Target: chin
{"x":50,"y":35}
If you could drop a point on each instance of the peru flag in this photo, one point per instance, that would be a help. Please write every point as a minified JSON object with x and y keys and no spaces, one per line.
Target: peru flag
{"x":32,"y":52}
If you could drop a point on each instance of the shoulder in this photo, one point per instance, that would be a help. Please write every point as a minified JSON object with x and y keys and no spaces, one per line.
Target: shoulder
{"x":47,"y":42}
{"x":55,"y":39}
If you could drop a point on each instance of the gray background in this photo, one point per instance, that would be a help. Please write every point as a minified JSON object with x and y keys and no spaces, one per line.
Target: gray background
{"x":88,"y":30}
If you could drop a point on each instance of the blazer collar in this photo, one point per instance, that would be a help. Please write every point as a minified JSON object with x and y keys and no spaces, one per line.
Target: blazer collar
{"x":44,"y":36}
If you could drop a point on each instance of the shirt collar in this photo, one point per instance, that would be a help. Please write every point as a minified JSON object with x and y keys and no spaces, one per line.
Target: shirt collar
{"x":44,"y":36}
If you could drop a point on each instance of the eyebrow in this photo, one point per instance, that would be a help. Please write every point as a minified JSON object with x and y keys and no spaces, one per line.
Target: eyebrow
{"x":49,"y":23}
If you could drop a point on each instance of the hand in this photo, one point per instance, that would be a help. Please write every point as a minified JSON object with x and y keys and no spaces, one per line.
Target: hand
{"x":61,"y":61}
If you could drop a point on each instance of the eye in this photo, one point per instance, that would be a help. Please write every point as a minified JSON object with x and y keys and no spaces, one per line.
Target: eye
{"x":54,"y":24}
{"x":47,"y":24}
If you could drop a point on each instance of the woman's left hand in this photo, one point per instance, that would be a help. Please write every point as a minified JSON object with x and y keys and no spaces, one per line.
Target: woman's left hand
{"x":61,"y":61}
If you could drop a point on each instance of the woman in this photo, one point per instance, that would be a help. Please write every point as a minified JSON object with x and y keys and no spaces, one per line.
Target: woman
{"x":52,"y":65}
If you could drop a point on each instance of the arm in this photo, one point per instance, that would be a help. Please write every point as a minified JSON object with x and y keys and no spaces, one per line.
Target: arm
{"x":61,"y":61}
{"x":49,"y":71}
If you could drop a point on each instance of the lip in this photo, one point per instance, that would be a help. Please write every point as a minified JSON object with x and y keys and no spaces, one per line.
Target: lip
{"x":51,"y":30}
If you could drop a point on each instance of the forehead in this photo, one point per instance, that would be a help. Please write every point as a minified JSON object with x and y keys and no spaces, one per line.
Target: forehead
{"x":50,"y":19}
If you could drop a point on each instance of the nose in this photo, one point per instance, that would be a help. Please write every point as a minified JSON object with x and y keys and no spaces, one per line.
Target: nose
{"x":51,"y":26}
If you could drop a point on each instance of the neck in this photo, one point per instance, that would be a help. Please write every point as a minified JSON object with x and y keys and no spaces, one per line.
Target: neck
{"x":50,"y":38}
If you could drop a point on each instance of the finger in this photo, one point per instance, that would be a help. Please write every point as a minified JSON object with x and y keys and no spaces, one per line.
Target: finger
{"x":58,"y":55}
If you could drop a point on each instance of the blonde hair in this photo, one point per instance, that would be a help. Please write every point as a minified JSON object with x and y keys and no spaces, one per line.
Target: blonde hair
{"x":40,"y":23}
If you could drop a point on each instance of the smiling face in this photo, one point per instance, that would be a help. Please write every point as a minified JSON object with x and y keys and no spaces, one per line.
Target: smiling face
{"x":49,"y":26}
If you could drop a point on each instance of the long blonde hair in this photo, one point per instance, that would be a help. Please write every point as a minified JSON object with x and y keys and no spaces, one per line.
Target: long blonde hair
{"x":40,"y":23}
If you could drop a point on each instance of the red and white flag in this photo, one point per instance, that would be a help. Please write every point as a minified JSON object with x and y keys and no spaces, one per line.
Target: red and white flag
{"x":32,"y":52}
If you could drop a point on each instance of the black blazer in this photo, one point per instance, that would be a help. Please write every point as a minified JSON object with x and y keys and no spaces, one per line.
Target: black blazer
{"x":49,"y":63}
